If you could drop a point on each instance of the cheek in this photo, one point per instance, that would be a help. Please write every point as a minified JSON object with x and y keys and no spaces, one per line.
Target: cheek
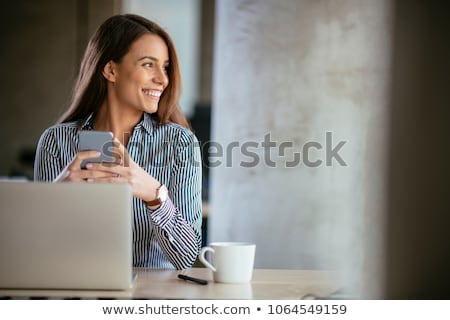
{"x":133,"y":83}
{"x":166,"y":82}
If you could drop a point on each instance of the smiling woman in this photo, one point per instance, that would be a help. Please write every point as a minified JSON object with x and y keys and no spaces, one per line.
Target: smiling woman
{"x":129,"y":84}
{"x":138,"y":80}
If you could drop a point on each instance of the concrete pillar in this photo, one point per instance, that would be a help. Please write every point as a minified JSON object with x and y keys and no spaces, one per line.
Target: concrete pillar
{"x":299,"y":127}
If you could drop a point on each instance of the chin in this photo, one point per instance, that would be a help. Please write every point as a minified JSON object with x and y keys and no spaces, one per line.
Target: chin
{"x":151,"y":109}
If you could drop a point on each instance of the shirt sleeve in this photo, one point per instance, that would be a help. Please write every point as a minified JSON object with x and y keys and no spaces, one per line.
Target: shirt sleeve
{"x":47,"y":163}
{"x":177,"y":222}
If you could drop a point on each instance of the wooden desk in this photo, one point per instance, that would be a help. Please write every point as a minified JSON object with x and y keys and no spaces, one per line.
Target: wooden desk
{"x":164,"y":284}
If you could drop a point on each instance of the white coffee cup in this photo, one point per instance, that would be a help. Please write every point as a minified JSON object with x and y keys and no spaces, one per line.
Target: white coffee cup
{"x":231,"y":262}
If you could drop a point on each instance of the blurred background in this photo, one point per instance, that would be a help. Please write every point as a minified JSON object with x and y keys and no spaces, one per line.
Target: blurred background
{"x":363,"y":81}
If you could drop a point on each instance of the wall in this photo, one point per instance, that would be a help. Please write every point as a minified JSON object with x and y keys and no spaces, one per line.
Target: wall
{"x":292,"y":73}
{"x":42,"y":44}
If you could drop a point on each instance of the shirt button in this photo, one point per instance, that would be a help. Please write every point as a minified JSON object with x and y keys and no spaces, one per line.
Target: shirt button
{"x":157,"y":218}
{"x":171,"y":238}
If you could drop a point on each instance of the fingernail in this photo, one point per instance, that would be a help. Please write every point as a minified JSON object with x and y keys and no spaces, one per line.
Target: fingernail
{"x":89,"y":165}
{"x":90,"y":180}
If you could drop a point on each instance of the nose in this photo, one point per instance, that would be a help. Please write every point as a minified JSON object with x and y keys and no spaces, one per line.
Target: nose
{"x":161,"y":77}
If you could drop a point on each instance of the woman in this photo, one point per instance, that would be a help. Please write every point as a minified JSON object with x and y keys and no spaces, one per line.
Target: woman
{"x":129,"y":84}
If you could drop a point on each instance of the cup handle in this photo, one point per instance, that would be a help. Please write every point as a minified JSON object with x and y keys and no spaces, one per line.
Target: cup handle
{"x":203,"y":260}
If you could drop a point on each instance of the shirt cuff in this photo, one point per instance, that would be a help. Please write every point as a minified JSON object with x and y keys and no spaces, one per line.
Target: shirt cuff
{"x":163,"y":214}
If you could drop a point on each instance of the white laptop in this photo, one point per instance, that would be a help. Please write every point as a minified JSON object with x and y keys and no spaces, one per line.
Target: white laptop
{"x":65,"y":236}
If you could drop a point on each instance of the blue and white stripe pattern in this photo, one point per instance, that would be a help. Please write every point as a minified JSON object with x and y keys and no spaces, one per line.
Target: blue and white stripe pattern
{"x":169,"y":237}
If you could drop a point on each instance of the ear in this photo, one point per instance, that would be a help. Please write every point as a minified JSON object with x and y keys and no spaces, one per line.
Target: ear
{"x":109,"y":71}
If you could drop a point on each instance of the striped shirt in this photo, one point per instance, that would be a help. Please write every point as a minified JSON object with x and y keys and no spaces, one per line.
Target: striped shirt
{"x":170,"y":236}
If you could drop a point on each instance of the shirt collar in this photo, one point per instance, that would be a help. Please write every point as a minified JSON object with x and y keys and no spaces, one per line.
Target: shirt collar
{"x":147,"y":122}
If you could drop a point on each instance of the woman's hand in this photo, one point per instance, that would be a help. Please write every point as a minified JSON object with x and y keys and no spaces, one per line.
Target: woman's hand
{"x":73,"y":172}
{"x":143,"y":185}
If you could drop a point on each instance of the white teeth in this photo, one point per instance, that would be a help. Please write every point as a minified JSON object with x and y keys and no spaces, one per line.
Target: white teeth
{"x":154,"y":93}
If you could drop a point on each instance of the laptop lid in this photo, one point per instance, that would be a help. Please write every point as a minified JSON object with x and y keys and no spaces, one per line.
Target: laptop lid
{"x":65,"y":236}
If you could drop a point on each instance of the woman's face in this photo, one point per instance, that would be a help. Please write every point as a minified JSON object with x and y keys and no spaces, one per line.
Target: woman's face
{"x":140,"y":78}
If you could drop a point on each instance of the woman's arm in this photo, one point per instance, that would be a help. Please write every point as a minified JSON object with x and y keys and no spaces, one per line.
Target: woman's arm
{"x":177,"y":222}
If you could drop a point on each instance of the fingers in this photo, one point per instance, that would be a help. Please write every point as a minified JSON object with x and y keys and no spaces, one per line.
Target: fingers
{"x":106,"y":172}
{"x":70,"y":176}
{"x":88,"y":175}
{"x":73,"y":171}
{"x":98,"y":172}
{"x":83,"y":155}
{"x":109,"y":168}
{"x":108,"y":179}
{"x":124,"y":156}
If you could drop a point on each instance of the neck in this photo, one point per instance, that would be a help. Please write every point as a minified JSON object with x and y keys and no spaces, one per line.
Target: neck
{"x":119,"y":121}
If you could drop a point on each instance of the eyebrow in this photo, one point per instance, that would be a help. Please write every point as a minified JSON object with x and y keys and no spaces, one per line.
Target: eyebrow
{"x":152,"y":58}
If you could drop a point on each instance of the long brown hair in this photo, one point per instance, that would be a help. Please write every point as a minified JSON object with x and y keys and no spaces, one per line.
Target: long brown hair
{"x":112,"y":41}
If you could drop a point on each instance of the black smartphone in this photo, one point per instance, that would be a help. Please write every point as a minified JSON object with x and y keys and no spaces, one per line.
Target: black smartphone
{"x":101,"y":141}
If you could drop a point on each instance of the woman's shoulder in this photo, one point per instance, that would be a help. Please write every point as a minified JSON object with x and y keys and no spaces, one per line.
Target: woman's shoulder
{"x":178,"y":131}
{"x":62,"y":130}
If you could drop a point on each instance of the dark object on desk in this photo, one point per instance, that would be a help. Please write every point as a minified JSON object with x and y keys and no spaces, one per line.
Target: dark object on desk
{"x":339,"y":294}
{"x":196,"y":280}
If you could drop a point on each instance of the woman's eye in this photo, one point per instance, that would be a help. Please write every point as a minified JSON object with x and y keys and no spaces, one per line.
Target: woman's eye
{"x":148,"y":64}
